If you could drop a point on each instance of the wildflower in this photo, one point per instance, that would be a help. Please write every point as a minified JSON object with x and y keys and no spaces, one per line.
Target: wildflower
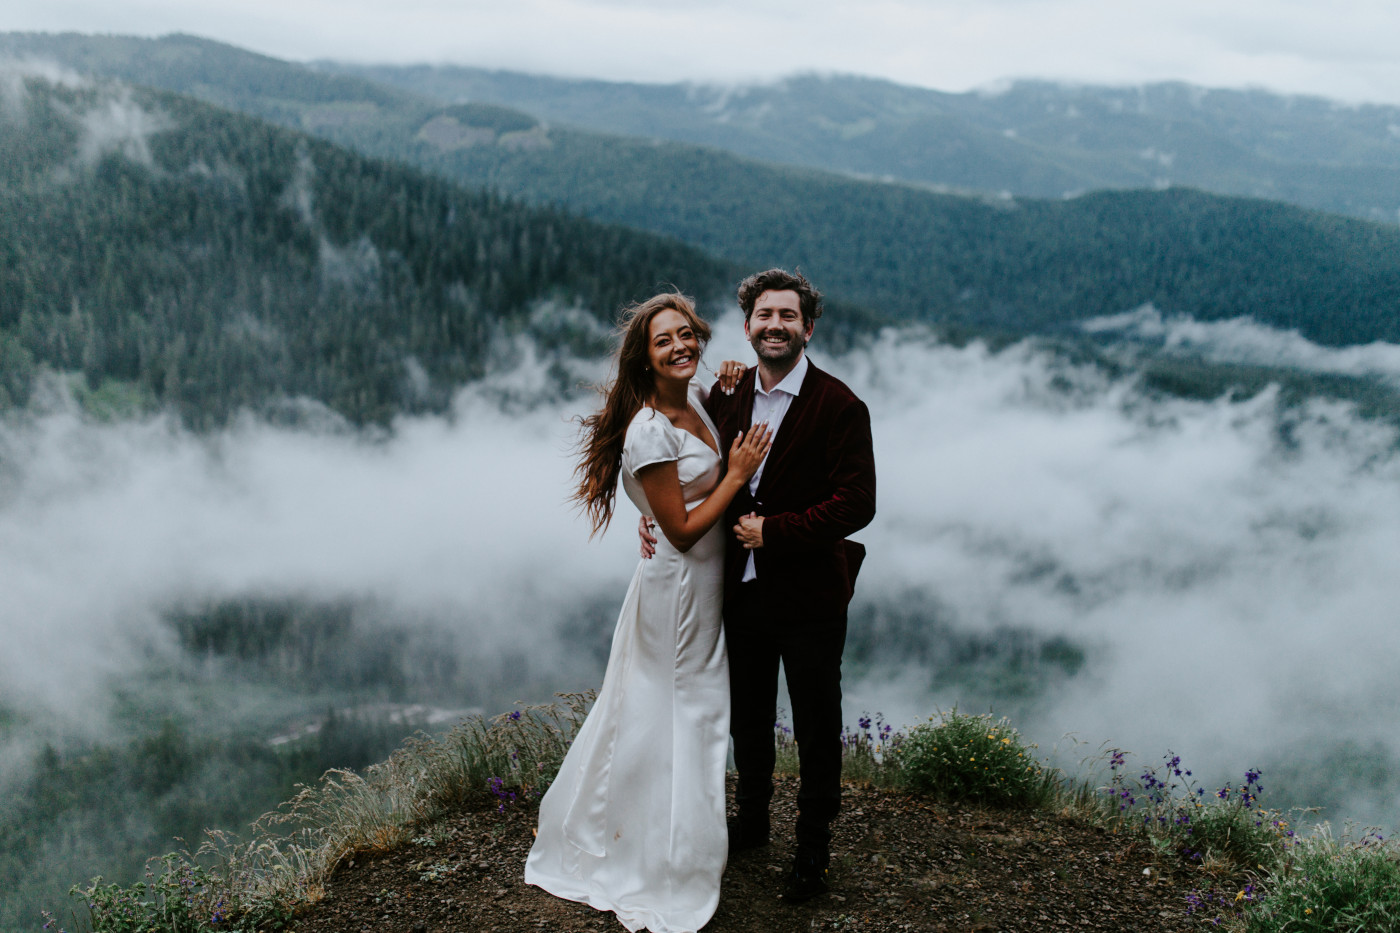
{"x":497,"y":788}
{"x":515,"y":716}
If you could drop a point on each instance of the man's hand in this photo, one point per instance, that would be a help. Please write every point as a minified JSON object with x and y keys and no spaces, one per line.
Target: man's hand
{"x":730,"y":371}
{"x":749,"y":531}
{"x":648,"y":540}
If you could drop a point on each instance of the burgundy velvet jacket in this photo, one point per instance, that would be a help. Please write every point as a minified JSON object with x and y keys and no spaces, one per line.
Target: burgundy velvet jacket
{"x":818,"y":486}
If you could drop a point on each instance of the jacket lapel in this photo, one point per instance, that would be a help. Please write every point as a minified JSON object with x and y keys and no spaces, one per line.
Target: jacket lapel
{"x":792,"y":426}
{"x":733,"y":413}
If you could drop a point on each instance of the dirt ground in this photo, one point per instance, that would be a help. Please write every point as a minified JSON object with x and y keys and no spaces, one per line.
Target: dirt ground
{"x":900,"y":863}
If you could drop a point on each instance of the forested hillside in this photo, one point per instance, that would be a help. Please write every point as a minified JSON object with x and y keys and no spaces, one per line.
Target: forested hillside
{"x":181,"y":255}
{"x":1011,"y":264}
{"x":1031,"y":138}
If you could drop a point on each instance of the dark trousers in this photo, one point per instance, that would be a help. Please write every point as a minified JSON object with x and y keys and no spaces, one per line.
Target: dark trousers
{"x":759,"y":635}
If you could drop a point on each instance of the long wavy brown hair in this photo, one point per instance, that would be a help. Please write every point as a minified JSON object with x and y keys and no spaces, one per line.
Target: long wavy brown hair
{"x":631,"y":388}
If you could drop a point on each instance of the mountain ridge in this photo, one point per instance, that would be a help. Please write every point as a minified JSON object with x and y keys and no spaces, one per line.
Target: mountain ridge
{"x":1009,"y":264}
{"x":1030,"y":137}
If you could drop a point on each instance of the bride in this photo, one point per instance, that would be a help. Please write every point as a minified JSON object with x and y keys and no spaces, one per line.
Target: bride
{"x":634,"y":822}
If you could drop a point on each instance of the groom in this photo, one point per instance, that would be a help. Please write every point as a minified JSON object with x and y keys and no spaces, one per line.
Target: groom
{"x":789,"y":570}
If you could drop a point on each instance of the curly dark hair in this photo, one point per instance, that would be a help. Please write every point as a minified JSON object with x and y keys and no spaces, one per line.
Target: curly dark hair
{"x":781,"y":280}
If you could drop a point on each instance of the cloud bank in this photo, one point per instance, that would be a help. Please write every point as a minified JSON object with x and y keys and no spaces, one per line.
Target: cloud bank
{"x":1225,"y":566}
{"x":1244,"y":340}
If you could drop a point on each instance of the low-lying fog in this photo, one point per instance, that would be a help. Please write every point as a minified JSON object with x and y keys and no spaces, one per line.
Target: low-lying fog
{"x":1220,"y":575}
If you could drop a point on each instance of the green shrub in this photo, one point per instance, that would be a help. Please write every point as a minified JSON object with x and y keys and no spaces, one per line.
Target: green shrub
{"x":1328,"y":886}
{"x":977,"y":758}
{"x":185,"y":896}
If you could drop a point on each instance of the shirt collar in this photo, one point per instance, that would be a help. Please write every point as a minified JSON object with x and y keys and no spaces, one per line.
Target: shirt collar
{"x":791,"y":383}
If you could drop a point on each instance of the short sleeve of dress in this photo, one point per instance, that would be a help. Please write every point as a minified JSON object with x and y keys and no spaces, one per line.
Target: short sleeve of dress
{"x":650,"y":439}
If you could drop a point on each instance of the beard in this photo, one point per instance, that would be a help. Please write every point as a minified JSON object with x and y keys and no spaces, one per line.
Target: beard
{"x":779,"y":355}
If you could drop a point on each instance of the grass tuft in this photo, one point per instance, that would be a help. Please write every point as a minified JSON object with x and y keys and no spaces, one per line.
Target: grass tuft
{"x":261,"y":883}
{"x":870,"y":752}
{"x":1226,"y":831}
{"x":1327,"y":885}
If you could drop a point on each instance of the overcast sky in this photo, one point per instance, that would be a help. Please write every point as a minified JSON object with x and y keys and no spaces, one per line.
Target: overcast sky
{"x":1344,"y":49}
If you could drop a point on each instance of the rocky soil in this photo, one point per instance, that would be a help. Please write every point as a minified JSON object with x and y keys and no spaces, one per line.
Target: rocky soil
{"x":900,"y":863}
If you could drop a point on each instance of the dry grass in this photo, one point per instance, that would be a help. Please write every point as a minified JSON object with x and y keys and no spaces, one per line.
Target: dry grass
{"x":261,"y":882}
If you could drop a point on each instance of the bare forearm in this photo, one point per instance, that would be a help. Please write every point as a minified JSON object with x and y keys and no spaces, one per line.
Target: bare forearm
{"x":684,"y":526}
{"x":692,"y":526}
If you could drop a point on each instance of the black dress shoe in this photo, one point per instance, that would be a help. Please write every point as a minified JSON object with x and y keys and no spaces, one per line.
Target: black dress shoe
{"x":806,"y":880}
{"x":745,"y":835}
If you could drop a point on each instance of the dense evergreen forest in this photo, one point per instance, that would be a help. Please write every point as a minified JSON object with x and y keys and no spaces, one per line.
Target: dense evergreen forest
{"x":1016,"y":265}
{"x":181,"y":255}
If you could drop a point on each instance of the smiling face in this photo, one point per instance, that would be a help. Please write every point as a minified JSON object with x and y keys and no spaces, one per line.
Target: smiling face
{"x":673,"y":348}
{"x":776,"y":329}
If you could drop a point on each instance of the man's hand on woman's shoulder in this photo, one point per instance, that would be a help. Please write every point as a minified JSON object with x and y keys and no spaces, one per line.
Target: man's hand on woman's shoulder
{"x":730,"y":372}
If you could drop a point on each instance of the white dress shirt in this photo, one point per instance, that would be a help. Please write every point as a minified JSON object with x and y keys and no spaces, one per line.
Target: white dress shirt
{"x":771,"y":406}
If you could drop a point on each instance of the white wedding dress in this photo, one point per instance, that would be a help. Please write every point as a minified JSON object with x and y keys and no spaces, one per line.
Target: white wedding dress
{"x":634,"y":822}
